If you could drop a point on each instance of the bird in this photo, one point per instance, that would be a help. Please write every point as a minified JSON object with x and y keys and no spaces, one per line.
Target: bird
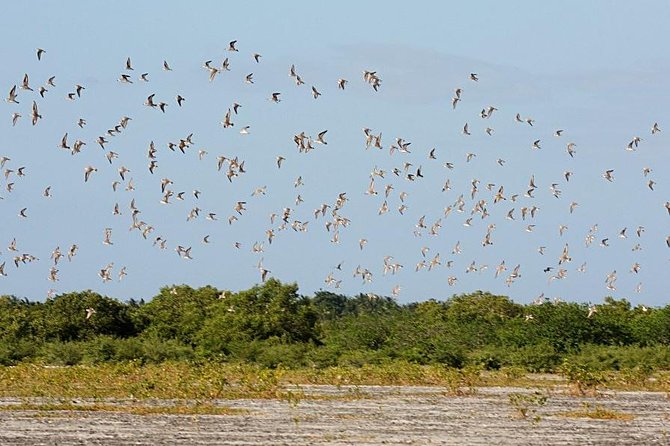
{"x":149,"y":102}
{"x":319,"y":139}
{"x":108,"y":237}
{"x":227,"y":121}
{"x":592,"y":311}
{"x":25,"y":84}
{"x":88,"y":171}
{"x":312,"y":173}
{"x":35,"y":115}
{"x":11,"y":97}
{"x":184,"y":253}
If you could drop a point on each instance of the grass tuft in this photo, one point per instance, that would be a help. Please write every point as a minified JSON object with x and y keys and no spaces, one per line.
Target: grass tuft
{"x":597,"y":412}
{"x":134,"y":409}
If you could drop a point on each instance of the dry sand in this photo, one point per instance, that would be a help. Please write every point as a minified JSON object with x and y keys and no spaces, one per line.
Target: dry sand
{"x":364,"y":415}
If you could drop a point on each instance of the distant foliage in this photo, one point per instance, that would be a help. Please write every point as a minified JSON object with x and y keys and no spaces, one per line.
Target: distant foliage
{"x":272,"y":325}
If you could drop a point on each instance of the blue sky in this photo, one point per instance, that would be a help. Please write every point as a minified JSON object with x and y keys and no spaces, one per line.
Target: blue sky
{"x":595,"y":69}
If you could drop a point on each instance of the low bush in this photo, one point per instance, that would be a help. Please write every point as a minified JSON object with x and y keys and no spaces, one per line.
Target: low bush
{"x":272,"y":325}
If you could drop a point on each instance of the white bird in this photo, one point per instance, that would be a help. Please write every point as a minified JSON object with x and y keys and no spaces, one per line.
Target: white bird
{"x":88,"y":171}
{"x":12,"y":95}
{"x":319,"y":138}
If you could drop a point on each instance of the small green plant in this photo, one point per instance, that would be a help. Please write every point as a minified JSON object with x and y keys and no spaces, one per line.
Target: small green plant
{"x":462,"y":381}
{"x":261,"y":381}
{"x":637,"y":376}
{"x":513,"y":373}
{"x":527,"y":404}
{"x":597,"y":412}
{"x":292,"y":397}
{"x":583,"y":379}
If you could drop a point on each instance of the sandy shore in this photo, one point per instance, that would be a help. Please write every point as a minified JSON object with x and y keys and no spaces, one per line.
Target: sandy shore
{"x":364,"y":415}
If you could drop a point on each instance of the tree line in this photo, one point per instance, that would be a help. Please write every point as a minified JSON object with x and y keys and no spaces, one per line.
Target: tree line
{"x":272,"y":325}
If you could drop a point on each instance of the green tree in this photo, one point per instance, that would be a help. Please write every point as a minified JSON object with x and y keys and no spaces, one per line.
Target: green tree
{"x":329,"y":305}
{"x":476,"y":317}
{"x":565,"y":326}
{"x":65,"y":317}
{"x":177,"y":312}
{"x":612,"y":323}
{"x":651,"y":326}
{"x":269,"y":311}
{"x":15,"y":318}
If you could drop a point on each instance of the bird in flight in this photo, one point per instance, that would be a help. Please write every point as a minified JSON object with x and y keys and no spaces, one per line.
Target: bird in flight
{"x":377,"y":182}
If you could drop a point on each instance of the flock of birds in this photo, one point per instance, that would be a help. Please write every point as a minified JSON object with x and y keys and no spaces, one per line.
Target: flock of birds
{"x":330,"y":217}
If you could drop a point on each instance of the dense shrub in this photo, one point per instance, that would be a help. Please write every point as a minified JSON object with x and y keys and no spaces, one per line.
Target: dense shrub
{"x":272,"y":326}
